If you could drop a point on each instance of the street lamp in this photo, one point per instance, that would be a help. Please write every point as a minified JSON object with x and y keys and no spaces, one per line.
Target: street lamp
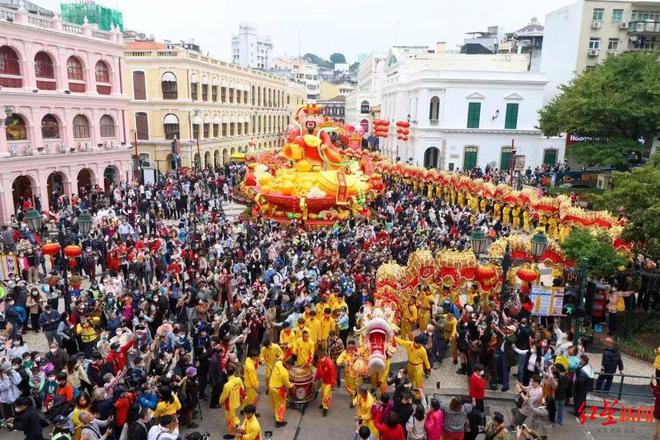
{"x":84,"y":223}
{"x":539,"y":244}
{"x":479,"y":242}
{"x":33,"y":220}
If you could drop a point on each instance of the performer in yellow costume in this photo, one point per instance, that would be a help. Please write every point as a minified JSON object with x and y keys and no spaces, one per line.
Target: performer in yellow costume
{"x":564,"y":232}
{"x":277,"y":388}
{"x":483,"y":205}
{"x":418,"y":360}
{"x":461,"y":199}
{"x":527,"y":218}
{"x":553,"y":231}
{"x":379,"y":380}
{"x":408,"y":319}
{"x":304,"y":350}
{"x":250,"y":429}
{"x":363,"y":402}
{"x":506,"y":219}
{"x":251,"y":380}
{"x":451,"y":333}
{"x":543,"y":221}
{"x":515,"y":223}
{"x":232,"y":394}
{"x":328,"y":324}
{"x":346,"y":360}
{"x":425,"y":301}
{"x":497,"y":210}
{"x":314,"y":326}
{"x":270,"y":353}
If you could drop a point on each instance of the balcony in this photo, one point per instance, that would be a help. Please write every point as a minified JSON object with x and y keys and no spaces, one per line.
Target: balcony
{"x":644,"y":27}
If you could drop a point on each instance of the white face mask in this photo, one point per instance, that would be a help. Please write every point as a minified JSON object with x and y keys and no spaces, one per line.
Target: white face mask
{"x":53,"y":350}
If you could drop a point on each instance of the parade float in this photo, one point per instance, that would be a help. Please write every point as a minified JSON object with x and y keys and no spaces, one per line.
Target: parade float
{"x":319,"y":176}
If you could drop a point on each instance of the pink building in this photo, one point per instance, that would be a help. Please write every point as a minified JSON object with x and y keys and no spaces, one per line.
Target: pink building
{"x":63,"y":109}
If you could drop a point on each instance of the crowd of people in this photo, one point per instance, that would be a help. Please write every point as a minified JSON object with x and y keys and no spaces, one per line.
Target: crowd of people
{"x":179,"y":306}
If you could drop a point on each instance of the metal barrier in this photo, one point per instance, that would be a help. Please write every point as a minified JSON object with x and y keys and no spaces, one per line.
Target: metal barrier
{"x":641,"y":381}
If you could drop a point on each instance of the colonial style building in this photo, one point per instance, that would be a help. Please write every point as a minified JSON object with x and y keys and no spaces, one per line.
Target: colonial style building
{"x":465,"y":110}
{"x":189,"y":110}
{"x":63,"y":109}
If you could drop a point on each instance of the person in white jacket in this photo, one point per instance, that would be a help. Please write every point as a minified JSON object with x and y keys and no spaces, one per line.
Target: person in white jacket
{"x":9,"y":392}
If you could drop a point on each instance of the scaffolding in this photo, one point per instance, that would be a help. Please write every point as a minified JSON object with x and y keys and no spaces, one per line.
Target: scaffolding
{"x":103,"y":17}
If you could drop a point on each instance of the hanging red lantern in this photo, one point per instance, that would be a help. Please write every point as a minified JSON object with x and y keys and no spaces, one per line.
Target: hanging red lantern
{"x":72,"y":251}
{"x":404,"y":138}
{"x":404,"y":131}
{"x":399,"y":130}
{"x":399,"y":137}
{"x":50,"y":248}
{"x":485,"y":273}
{"x":527,"y":274}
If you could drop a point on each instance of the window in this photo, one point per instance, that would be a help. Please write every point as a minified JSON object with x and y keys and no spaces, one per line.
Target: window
{"x":364,"y":107}
{"x":80,"y":127}
{"x":224,"y":129}
{"x":594,"y":43}
{"x":15,"y":128}
{"x":505,"y":158}
{"x":550,"y":157}
{"x":50,"y":128}
{"x":613,"y":44}
{"x":107,"y":126}
{"x":205,"y":92}
{"x":193,"y":91}
{"x":434,"y":109}
{"x":171,"y":127}
{"x":617,"y":15}
{"x":231,"y":95}
{"x":142,"y":126}
{"x":9,"y":64}
{"x":206,"y":128}
{"x":645,"y":16}
{"x":239,"y":129}
{"x":139,"y":86}
{"x":216,"y":130}
{"x":169,"y":86}
{"x":511,"y":119}
{"x":43,"y":66}
{"x":474,"y":114}
{"x":598,"y":14}
{"x":223,"y":94}
{"x":195,"y":131}
{"x":74,"y":69}
{"x":245,"y":127}
{"x":231,"y":128}
{"x":470,"y":158}
{"x":102,"y":72}
{"x":214,"y":93}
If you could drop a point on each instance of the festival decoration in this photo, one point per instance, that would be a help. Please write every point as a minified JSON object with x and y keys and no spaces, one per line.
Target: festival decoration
{"x":51,"y":248}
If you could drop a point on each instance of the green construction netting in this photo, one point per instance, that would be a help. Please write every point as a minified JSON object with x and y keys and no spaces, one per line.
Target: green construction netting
{"x":96,"y":14}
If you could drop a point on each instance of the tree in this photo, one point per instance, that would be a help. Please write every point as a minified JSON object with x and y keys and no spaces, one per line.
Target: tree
{"x":604,"y":261}
{"x":337,"y":58}
{"x":614,"y":106}
{"x":354,"y":67}
{"x":637,"y":193}
{"x":313,"y":58}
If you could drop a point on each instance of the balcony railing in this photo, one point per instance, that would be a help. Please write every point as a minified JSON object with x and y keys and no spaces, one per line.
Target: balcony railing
{"x":644,"y":27}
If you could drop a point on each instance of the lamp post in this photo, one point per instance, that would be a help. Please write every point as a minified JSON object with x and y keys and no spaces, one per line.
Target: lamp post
{"x":580,"y":310}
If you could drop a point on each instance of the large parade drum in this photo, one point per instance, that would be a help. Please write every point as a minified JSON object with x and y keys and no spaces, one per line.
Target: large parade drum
{"x":302,"y":385}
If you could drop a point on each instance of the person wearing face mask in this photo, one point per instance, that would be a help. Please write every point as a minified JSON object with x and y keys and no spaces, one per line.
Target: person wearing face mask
{"x":27,"y":420}
{"x":56,"y":356}
{"x":48,"y":322}
{"x":118,"y":356}
{"x":35,"y":303}
{"x":477,"y":387}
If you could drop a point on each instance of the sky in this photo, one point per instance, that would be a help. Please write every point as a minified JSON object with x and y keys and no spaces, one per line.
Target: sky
{"x":323,"y":27}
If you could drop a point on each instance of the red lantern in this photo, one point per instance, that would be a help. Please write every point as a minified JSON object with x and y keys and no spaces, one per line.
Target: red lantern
{"x":50,"y":248}
{"x":404,"y":131}
{"x":404,"y":138}
{"x":399,"y":137}
{"x":527,"y":274}
{"x":72,"y":251}
{"x":485,"y":273}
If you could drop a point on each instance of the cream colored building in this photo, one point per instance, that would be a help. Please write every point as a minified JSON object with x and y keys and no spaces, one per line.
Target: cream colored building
{"x":330,"y":90}
{"x":190,"y":110}
{"x":580,"y":35}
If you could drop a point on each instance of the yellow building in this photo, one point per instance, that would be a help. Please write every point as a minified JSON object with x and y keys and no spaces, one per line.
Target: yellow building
{"x":330,"y":90}
{"x":190,"y":110}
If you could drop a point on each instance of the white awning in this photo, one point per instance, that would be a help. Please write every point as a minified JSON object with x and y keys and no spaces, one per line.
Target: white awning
{"x":168,"y":76}
{"x":170,"y":119}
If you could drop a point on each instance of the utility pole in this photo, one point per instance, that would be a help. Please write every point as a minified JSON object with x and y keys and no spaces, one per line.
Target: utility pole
{"x":137,"y":158}
{"x":580,"y":310}
{"x":513,"y":160}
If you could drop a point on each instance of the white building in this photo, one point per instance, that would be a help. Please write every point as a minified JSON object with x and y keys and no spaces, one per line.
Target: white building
{"x":580,"y":35}
{"x":363,"y":103}
{"x":300,"y":71}
{"x":465,"y":110}
{"x":250,"y":49}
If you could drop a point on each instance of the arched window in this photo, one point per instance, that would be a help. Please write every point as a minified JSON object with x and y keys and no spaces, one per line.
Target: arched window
{"x":81,"y":127}
{"x":431,"y":157}
{"x":74,"y":69}
{"x":43,"y":66}
{"x":102,"y":72}
{"x":169,"y":86}
{"x":107,"y":126}
{"x":15,"y":128}
{"x":364,"y":107}
{"x":434,"y":110}
{"x":171,"y":126}
{"x":50,"y":128}
{"x":9,"y":65}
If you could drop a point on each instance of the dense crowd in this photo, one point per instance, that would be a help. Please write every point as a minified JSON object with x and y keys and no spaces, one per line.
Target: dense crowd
{"x":179,"y":305}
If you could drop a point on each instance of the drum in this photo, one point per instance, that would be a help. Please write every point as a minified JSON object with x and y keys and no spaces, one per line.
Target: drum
{"x":302,"y":385}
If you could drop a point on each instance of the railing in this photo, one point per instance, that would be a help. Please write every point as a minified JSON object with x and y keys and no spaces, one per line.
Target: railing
{"x":643,"y":26}
{"x":41,"y":22}
{"x":102,"y":34}
{"x":72,"y":28}
{"x":7,"y":14}
{"x":138,"y":53}
{"x":167,"y":53}
{"x":617,"y":389}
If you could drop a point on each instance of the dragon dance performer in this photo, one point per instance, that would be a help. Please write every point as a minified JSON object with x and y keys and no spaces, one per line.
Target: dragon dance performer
{"x":425,"y":302}
{"x":270,"y":353}
{"x":418,"y":360}
{"x":351,"y":378}
{"x":408,"y":317}
{"x":250,"y":429}
{"x":232,"y":394}
{"x":277,"y":388}
{"x":363,"y":402}
{"x":304,"y":349}
{"x":327,"y":374}
{"x":250,"y":379}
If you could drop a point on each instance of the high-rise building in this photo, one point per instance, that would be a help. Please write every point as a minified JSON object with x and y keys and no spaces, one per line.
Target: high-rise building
{"x":584,"y":33}
{"x":249,"y":49}
{"x":298,"y":70}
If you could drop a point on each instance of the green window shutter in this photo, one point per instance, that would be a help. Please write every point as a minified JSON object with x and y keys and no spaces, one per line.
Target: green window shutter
{"x":505,"y":159}
{"x":470,"y":158}
{"x":511,"y":120}
{"x":550,"y":157}
{"x":474,"y":114}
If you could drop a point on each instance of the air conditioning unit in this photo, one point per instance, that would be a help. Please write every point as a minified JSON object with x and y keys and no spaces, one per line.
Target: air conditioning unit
{"x":596,"y":25}
{"x":623,"y":25}
{"x":593,"y":52}
{"x":633,"y":38}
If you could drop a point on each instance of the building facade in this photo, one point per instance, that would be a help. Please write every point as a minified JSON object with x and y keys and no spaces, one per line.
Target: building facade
{"x":329,"y":90}
{"x":363,"y":103}
{"x":465,"y":111}
{"x":582,"y":34}
{"x":301,"y":72}
{"x":249,"y":49}
{"x":334,"y":108}
{"x":189,"y":110}
{"x":64,"y":109}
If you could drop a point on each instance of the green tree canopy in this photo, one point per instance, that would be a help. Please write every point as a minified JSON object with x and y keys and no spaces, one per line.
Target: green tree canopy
{"x":603,"y":259}
{"x":616,"y":105}
{"x":354,"y":67}
{"x":315,"y":59}
{"x":638,"y":193}
{"x":337,"y":58}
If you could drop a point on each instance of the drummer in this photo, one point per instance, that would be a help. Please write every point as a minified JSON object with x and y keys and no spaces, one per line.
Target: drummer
{"x":270,"y":353}
{"x":304,"y":349}
{"x":326,"y":373}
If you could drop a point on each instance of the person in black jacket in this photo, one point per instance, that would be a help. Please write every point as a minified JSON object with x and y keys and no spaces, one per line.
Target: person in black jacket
{"x":610,"y":363}
{"x":96,"y":370}
{"x":139,"y":425}
{"x":584,"y":383}
{"x":27,"y":420}
{"x":562,"y":393}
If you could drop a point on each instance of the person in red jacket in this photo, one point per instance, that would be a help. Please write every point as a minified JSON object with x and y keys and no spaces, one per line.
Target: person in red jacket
{"x":326,"y":372}
{"x":122,"y":404}
{"x":117,"y":358}
{"x":477,"y":387}
{"x":391,"y":429}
